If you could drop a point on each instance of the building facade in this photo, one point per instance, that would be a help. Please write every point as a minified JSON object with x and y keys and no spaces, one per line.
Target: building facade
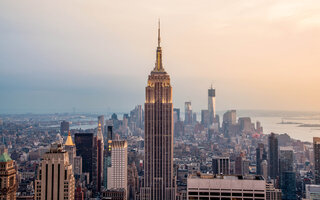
{"x":316,"y":150}
{"x":84,"y":148}
{"x":273,"y":158}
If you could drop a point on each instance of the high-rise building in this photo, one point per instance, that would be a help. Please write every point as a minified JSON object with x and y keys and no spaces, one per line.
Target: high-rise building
{"x":273,"y":158}
{"x":8,"y":186}
{"x":205,"y":118}
{"x":159,"y":182}
{"x":55,"y":178}
{"x":64,"y":128}
{"x":212,"y":186}
{"x":176,"y":112}
{"x":212,"y":104}
{"x":312,"y":192}
{"x":101,"y":122}
{"x":288,"y":185}
{"x":84,"y":148}
{"x":100,"y":152}
{"x":286,"y":160}
{"x":107,"y":157}
{"x":316,"y":150}
{"x":221,"y":165}
{"x":117,"y":172}
{"x":261,"y":155}
{"x":71,"y":149}
{"x":187,"y":113}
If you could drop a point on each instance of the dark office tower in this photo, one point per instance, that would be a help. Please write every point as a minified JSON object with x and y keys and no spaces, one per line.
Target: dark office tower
{"x":316,"y":150}
{"x":221,"y":165}
{"x":64,"y":128}
{"x":109,"y":133}
{"x":159,"y":183}
{"x":261,"y":155}
{"x":205,"y":117}
{"x":100,"y":149}
{"x":187,"y":113}
{"x":288,"y":186}
{"x":212,"y":104}
{"x":101,"y":122}
{"x":273,"y":160}
{"x":286,"y":160}
{"x":84,"y":148}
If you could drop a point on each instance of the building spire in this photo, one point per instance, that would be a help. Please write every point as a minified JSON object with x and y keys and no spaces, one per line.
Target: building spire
{"x":159,"y":39}
{"x":159,"y":67}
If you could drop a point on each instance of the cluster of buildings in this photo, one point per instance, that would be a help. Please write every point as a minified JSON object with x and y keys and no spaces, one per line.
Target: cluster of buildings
{"x":153,"y":153}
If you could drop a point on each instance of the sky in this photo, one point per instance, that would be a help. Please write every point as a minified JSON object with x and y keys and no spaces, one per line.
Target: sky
{"x":95,"y":56}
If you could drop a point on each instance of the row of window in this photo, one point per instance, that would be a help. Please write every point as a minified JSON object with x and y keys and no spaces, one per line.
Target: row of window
{"x":227,"y":194}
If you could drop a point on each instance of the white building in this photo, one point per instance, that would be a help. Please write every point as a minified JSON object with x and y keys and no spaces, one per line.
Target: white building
{"x":55,"y":178}
{"x":209,"y":186}
{"x":313,"y":192}
{"x":117,"y":173}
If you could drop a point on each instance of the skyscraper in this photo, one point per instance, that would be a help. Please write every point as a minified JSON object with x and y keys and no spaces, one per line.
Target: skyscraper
{"x":261,"y":155}
{"x":316,"y":150}
{"x":84,"y":146}
{"x":8,"y":186}
{"x":158,"y":169}
{"x":273,"y":160}
{"x":100,"y":151}
{"x":117,"y":172}
{"x":211,"y":104}
{"x":55,"y":177}
{"x":187,"y":113}
{"x":101,"y":122}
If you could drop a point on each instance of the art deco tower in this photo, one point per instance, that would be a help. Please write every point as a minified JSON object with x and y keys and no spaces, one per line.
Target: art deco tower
{"x":158,"y":169}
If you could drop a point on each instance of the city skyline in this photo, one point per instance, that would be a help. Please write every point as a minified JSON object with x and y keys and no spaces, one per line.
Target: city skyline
{"x":63,"y":56}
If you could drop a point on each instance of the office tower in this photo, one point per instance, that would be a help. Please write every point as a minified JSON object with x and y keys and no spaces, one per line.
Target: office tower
{"x":8,"y":186}
{"x":211,"y":104}
{"x":286,"y":160}
{"x":158,"y":168}
{"x":205,"y":119}
{"x":110,"y":133}
{"x":210,"y":186}
{"x":100,"y":148}
{"x":187,"y":113}
{"x":101,"y":122}
{"x":77,"y":165}
{"x":133,"y":181}
{"x":288,"y":185}
{"x":272,"y":193}
{"x":316,"y":150}
{"x":245,"y":124}
{"x":64,"y":128}
{"x":176,"y":111}
{"x":261,"y":155}
{"x":273,"y":159}
{"x":312,"y":192}
{"x":117,"y":172}
{"x":241,"y":165}
{"x":136,"y":116}
{"x":230,"y":117}
{"x":107,"y":157}
{"x":221,"y":165}
{"x":194,"y":118}
{"x":71,"y":149}
{"x":84,"y":148}
{"x":55,"y":177}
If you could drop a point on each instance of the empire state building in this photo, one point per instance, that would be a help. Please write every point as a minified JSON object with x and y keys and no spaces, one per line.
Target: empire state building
{"x":158,"y":169}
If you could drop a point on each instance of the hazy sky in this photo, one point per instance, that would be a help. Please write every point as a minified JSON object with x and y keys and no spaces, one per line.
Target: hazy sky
{"x":96,"y":55}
